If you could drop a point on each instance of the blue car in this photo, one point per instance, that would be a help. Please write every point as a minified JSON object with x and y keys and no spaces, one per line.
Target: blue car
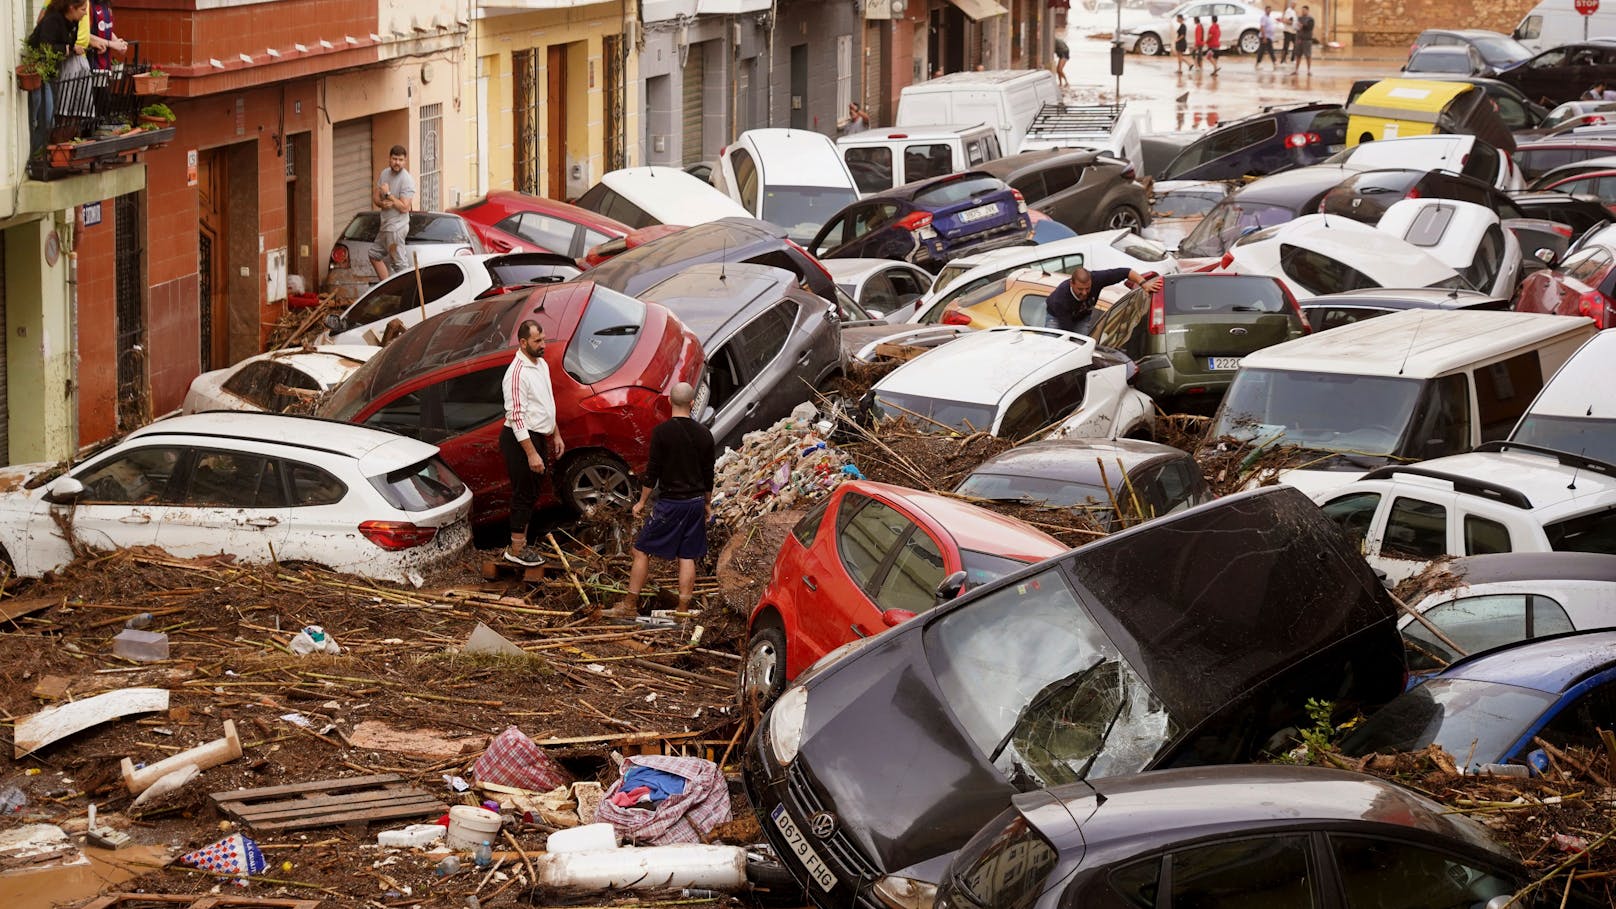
{"x":928,"y":222}
{"x":1487,"y":708}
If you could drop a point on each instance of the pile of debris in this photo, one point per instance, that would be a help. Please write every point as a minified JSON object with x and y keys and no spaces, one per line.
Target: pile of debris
{"x":301,"y":326}
{"x":789,"y":465}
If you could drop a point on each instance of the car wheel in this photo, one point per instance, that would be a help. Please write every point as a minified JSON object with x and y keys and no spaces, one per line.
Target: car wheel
{"x":1149,"y":45}
{"x":763,"y":675}
{"x":1124,"y":217}
{"x":593,"y":480}
{"x":1249,"y":42}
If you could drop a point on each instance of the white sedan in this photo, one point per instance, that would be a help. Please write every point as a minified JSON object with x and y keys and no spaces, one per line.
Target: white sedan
{"x":1238,"y":25}
{"x":261,"y":487}
{"x":276,"y":380}
{"x":1319,"y":254}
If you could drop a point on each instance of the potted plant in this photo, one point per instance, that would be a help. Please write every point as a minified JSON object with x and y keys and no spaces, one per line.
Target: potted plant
{"x":156,"y":116}
{"x":60,"y":154}
{"x":151,"y":82}
{"x":37,"y":66}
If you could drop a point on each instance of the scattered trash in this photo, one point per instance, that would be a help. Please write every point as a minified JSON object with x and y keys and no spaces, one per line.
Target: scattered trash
{"x":210,"y":754}
{"x":554,"y":808}
{"x":53,"y":723}
{"x":236,"y":855}
{"x":104,"y":837}
{"x":139,"y":621}
{"x":458,"y":784}
{"x":486,"y":640}
{"x":513,"y":759}
{"x":787,"y":465}
{"x":142,"y":646}
{"x":313,"y":639}
{"x":582,"y":839}
{"x":325,"y":803}
{"x":483,"y":855}
{"x":173,"y":781}
{"x":413,"y":835}
{"x":448,"y":866}
{"x":719,"y":868}
{"x":470,"y":825}
{"x":12,"y":800}
{"x":685,"y":797}
{"x":298,"y":719}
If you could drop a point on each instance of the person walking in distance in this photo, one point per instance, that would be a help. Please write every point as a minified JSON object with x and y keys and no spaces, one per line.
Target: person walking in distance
{"x":394,"y":194}
{"x":530,"y":441}
{"x":1287,"y":27}
{"x":1267,"y":27}
{"x":680,"y":469}
{"x":1304,"y":41}
{"x":1180,"y":43}
{"x":1063,"y":53}
{"x":1200,"y":43}
{"x":1214,"y":41}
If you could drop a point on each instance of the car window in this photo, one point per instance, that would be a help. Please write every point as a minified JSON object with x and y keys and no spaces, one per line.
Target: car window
{"x":1221,"y":143}
{"x":871,"y":167}
{"x":1504,"y":391}
{"x":1482,"y":162}
{"x":1578,"y":723}
{"x":1010,"y":871}
{"x":907,"y":286}
{"x":1324,"y":318}
{"x":1548,"y":59}
{"x":877,"y":293}
{"x":1415,"y":529}
{"x":1513,"y":113}
{"x":1031,"y":310}
{"x":746,"y":178}
{"x":402,"y":415}
{"x":807,"y":529}
{"x":1131,"y":244}
{"x":866,"y":537}
{"x":1118,"y":322}
{"x":228,"y":479}
{"x":953,"y":192}
{"x":922,"y":162}
{"x":426,"y":227}
{"x":1530,"y":28}
{"x":1483,"y":536}
{"x":1189,"y":295}
{"x":139,"y":477}
{"x":421,"y":486}
{"x":1261,"y":871}
{"x":473,"y":399}
{"x":606,"y":201}
{"x":270,"y":384}
{"x":398,"y":293}
{"x":1382,"y":874}
{"x":1483,"y":623}
{"x":762,"y":339}
{"x":1031,"y":187}
{"x":593,"y":238}
{"x":1481,"y":271}
{"x":1025,"y":416}
{"x":911,"y":582}
{"x":976,"y":151}
{"x":1586,"y":264}
{"x":312,"y":486}
{"x":1319,"y":273}
{"x":1180,"y":485}
{"x":553,"y":234}
{"x":606,"y":335}
{"x":1354,"y":513}
{"x":1064,"y":393}
{"x":1442,"y":421}
{"x":869,"y":218}
{"x":1594,"y":532}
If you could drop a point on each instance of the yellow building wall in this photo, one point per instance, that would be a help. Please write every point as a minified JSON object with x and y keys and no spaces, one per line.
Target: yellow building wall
{"x":494,"y":38}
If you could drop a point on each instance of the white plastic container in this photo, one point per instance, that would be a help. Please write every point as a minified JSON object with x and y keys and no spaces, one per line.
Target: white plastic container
{"x":469,"y":826}
{"x":587,"y":838}
{"x":645,"y":868}
{"x":413,"y":835}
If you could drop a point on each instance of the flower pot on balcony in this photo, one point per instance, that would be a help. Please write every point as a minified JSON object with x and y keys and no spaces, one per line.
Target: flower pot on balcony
{"x":155,"y":122}
{"x":151,"y":83}
{"x":60,"y":154}
{"x":28,"y":80}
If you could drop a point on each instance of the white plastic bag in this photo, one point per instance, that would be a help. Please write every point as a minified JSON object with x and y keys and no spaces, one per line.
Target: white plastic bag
{"x":313,"y":639}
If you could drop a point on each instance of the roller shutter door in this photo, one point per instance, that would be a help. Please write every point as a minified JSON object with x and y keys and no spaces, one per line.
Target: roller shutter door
{"x":695,"y":74}
{"x":351,"y":171}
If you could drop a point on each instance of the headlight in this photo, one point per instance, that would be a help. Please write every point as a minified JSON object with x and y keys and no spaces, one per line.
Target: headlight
{"x":905,"y":893}
{"x":785,"y":724}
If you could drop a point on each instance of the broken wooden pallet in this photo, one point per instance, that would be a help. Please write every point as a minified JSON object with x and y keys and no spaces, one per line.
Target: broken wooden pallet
{"x":499,"y":569}
{"x":193,"y":901}
{"x":326,"y":803}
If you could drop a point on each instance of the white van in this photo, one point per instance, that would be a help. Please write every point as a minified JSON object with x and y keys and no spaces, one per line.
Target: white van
{"x":1576,"y":412}
{"x":881,"y":159}
{"x":793,"y":178}
{"x":1555,"y":22}
{"x":1409,"y":386}
{"x":643,"y":196}
{"x":1005,"y":99}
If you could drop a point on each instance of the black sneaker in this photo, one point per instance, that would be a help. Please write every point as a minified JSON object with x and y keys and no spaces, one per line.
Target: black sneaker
{"x":529,"y":556}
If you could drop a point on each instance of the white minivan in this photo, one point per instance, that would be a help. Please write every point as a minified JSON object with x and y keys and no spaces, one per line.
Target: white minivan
{"x":888,"y":157}
{"x":1576,"y":411}
{"x":1555,"y":22}
{"x":793,"y":178}
{"x":643,"y":196}
{"x":1005,"y":99}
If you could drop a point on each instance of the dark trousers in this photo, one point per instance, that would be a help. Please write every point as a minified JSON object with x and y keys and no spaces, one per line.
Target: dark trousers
{"x":1266,"y":46}
{"x":524,"y":482}
{"x":1289,"y":48}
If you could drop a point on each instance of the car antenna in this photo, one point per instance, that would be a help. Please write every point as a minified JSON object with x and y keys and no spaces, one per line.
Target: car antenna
{"x":723,"y":259}
{"x":1412,"y":335}
{"x":1581,"y":453}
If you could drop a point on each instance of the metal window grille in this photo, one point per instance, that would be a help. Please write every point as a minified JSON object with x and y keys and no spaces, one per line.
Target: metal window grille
{"x":525,"y":100}
{"x":130,"y":310}
{"x":431,"y":195}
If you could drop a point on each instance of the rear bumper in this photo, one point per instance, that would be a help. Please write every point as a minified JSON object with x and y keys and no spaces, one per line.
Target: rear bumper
{"x":936,"y":253}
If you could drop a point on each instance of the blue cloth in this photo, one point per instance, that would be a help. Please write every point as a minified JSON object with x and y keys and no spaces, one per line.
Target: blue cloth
{"x":661,"y":783}
{"x":677,"y":529}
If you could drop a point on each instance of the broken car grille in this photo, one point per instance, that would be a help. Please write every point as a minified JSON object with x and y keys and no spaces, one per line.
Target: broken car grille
{"x":838,"y":851}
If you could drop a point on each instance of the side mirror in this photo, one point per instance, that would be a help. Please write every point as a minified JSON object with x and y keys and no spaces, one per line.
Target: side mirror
{"x":334,"y":322}
{"x":950,"y":587}
{"x":1545,"y":255}
{"x":708,"y":415}
{"x":895,"y":617}
{"x":63,"y":490}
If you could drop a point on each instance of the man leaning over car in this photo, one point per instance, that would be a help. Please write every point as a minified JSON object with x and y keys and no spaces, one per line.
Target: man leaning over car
{"x":1070,"y":306}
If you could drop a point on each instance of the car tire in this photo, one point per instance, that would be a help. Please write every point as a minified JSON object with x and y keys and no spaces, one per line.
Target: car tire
{"x":1148,"y":44}
{"x":1249,"y":41}
{"x":1124,"y":216}
{"x":763,"y":674}
{"x":594,"y":479}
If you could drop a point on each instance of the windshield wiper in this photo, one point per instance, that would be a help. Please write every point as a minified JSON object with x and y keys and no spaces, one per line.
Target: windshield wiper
{"x":1044,"y":697}
{"x":616,"y":330}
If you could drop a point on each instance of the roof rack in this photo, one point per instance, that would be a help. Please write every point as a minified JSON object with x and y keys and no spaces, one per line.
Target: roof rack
{"x":1469,"y":485}
{"x":1566,"y":458}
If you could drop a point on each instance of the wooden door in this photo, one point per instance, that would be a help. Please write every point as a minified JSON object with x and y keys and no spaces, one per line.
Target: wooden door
{"x":213,"y":255}
{"x":556,"y":118}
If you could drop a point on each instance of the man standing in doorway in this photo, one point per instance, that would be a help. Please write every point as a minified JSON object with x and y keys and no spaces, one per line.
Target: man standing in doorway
{"x":530,"y":440}
{"x":1304,"y":41}
{"x":1071,"y":304}
{"x":394,"y":194}
{"x":681,"y":471}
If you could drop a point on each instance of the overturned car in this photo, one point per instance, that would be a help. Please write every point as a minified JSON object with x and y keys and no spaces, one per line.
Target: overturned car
{"x":1194,"y":639}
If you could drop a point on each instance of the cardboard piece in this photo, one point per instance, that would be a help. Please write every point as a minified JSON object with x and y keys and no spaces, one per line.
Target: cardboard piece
{"x":55,"y":723}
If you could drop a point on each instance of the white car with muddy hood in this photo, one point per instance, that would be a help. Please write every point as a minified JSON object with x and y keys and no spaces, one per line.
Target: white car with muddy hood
{"x":276,"y":380}
{"x":261,"y":487}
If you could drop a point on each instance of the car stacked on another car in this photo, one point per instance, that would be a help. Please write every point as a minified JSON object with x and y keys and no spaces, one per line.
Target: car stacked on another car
{"x":1260,"y":204}
{"x":545,"y":224}
{"x":276,"y":381}
{"x":1318,"y":254}
{"x":1583,"y":285}
{"x":1084,"y":190}
{"x":1563,"y":73}
{"x":1574,"y":411}
{"x":433,"y":236}
{"x":1118,"y":482}
{"x":1329,"y":311}
{"x":928,"y":222}
{"x":792,"y":178}
{"x":1276,"y":139}
{"x":887,"y":289}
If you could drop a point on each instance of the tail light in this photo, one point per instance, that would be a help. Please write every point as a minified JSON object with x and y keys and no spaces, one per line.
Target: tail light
{"x":339,"y":256}
{"x":1594,"y":305}
{"x":1158,"y":313}
{"x":497,"y":291}
{"x":1412,"y":194}
{"x":816,"y":262}
{"x":394,"y":536}
{"x":1227,"y":260}
{"x":1563,"y":230}
{"x":1302,"y":140}
{"x":915,"y":221}
{"x":1296,"y":307}
{"x":955,"y":317}
{"x":1021,"y":201}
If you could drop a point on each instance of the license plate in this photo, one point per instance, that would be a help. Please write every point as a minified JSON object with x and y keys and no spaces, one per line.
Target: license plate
{"x":817,"y":869}
{"x":978,"y":213}
{"x":1223,"y":362}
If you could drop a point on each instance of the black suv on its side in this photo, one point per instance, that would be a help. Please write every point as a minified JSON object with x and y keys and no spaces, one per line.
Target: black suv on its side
{"x":1278,"y":138}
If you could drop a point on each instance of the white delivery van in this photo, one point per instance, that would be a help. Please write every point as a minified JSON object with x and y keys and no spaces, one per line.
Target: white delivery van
{"x":1005,"y":99}
{"x":1555,"y":22}
{"x":882,"y":159}
{"x":793,"y":178}
{"x":1576,"y":411}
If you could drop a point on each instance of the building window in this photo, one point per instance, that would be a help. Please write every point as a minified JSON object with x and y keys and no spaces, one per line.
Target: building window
{"x":844,"y":75}
{"x":431,"y":194}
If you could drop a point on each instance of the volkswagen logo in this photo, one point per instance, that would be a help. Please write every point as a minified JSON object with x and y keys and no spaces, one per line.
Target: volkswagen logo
{"x":1237,"y":331}
{"x":823,"y":824}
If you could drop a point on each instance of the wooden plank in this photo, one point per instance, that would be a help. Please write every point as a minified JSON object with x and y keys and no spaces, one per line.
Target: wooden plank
{"x":55,"y":723}
{"x":239,"y":795}
{"x":197,"y":901}
{"x":375,"y":814}
{"x":13,"y":609}
{"x":276,"y":810}
{"x":904,"y":352}
{"x":623,"y":738}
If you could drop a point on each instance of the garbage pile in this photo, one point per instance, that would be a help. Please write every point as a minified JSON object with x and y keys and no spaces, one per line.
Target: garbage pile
{"x":788,"y":465}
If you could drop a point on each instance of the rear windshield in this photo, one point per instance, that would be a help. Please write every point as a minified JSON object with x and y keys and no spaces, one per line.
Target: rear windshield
{"x":1594,"y":532}
{"x":1191,"y":295}
{"x":1440,"y":61}
{"x":420,"y":487}
{"x":509,"y":273}
{"x":950,"y":414}
{"x":606,"y":336}
{"x":1465,"y":717}
{"x":953,"y":192}
{"x":1227,"y":222}
{"x":1593,"y":438}
{"x":802,"y":210}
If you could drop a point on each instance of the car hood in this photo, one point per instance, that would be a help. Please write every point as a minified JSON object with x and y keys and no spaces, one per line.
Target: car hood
{"x":14,"y":480}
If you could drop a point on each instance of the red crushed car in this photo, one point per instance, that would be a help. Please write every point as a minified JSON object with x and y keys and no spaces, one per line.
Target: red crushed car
{"x":612,"y":361}
{"x":1583,"y":285}
{"x":866,"y":558}
{"x":545,"y":225}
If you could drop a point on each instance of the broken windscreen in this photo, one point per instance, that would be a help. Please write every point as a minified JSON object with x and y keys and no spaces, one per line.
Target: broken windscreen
{"x":1041,"y":690}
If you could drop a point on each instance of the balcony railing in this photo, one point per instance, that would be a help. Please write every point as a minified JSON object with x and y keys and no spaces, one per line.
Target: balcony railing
{"x":91,"y":121}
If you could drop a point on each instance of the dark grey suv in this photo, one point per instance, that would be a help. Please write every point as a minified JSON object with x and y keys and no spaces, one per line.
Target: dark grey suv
{"x":1084,"y":190}
{"x":1276,"y":138}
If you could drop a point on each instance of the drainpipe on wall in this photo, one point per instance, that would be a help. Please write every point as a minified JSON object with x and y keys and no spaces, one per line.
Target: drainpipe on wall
{"x":732,"y":38}
{"x":774,"y":20}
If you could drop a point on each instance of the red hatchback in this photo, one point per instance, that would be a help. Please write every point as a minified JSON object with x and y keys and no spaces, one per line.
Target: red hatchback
{"x":548,"y":226}
{"x":612,"y":361}
{"x":866,"y":558}
{"x":1583,"y":285}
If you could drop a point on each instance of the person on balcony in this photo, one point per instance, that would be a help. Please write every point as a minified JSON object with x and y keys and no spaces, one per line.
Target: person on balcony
{"x":58,"y":29}
{"x":96,"y":33}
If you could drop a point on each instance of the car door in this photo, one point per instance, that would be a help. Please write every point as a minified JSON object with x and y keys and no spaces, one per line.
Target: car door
{"x":1228,"y":872}
{"x":1376,"y":873}
{"x":1100,"y":414}
{"x":1480,"y":623}
{"x":1065,"y":201}
{"x":1418,"y":528}
{"x":1358,"y":514}
{"x":1539,"y":78}
{"x":231,"y":502}
{"x":553,"y":234}
{"x":843,"y":574}
{"x":126,"y":497}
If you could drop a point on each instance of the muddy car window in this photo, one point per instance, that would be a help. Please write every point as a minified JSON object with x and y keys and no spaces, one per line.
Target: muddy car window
{"x":313,"y":486}
{"x":866,"y":540}
{"x":1416,"y":529}
{"x":140,"y":477}
{"x":911,"y":582}
{"x":1394,"y":875}
{"x":1266,"y":871}
{"x":227,"y":479}
{"x":1354,"y":514}
{"x":473,"y":399}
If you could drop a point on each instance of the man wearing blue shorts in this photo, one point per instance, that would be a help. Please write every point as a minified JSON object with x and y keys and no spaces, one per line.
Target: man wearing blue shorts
{"x":681,"y":472}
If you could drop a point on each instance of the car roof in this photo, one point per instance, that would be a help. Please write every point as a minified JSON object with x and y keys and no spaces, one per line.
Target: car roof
{"x":1457,"y":50}
{"x":1548,"y":488}
{"x":1582,"y":386}
{"x":710,"y":297}
{"x":854,"y":269}
{"x":1033,"y":253}
{"x":804,"y":157}
{"x":376,"y":450}
{"x":1389,"y":258}
{"x":1533,"y":566}
{"x":672,"y":196}
{"x":327,"y":363}
{"x":1075,"y":460}
{"x":1418,"y":343}
{"x":1405,"y":298}
{"x":1288,"y":186}
{"x":971,"y":526}
{"x":917,"y":133}
{"x":981,"y":77}
{"x":1032,"y":161}
{"x":910,"y":191}
{"x":983,"y":366}
{"x":734,"y":238}
{"x":514,"y":200}
{"x":1550,"y":664}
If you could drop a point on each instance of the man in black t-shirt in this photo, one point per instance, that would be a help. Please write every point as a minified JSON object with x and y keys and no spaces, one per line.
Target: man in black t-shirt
{"x":1071,"y":304}
{"x":680,"y":469}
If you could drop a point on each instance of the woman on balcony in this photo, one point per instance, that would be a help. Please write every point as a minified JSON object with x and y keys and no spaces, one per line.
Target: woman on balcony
{"x":58,"y":28}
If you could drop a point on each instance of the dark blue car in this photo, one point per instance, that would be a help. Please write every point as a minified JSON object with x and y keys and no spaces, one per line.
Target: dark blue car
{"x":1487,"y":709}
{"x":928,"y":222}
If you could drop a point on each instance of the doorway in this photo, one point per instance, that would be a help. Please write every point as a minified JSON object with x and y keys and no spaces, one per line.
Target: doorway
{"x":300,"y":206}
{"x":230,"y":316}
{"x":134,"y":402}
{"x":799,"y":86}
{"x":212,"y":206}
{"x":556,"y":119}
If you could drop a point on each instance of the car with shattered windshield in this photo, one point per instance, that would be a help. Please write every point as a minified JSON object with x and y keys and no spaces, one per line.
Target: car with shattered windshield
{"x":1197,"y":638}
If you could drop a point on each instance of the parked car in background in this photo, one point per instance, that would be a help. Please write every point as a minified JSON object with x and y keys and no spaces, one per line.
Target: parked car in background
{"x":882,"y":159}
{"x":1263,"y":203}
{"x":1467,"y":237}
{"x":1005,"y":99}
{"x":1264,"y":835}
{"x":1583,"y":285}
{"x":433,"y":236}
{"x":1084,"y":190}
{"x":1139,"y":479}
{"x":264,"y":488}
{"x":1177,"y":206}
{"x":1276,"y":139}
{"x":1491,"y":709}
{"x":1571,"y":115}
{"x":551,"y":226}
{"x":887,"y":290}
{"x":790,"y":177}
{"x":1600,"y":184}
{"x":1329,"y":311}
{"x":634,"y":239}
{"x":1317,"y":254}
{"x":643,"y":196}
{"x":1239,"y":21}
{"x":1467,"y":155}
{"x":1256,"y":604}
{"x":1551,"y":23}
{"x":929,"y":222}
{"x":409,"y":297}
{"x":1536,"y":157}
{"x":612,"y":360}
{"x":867,"y":557}
{"x":1489,"y":601}
{"x":769,"y":343}
{"x":276,"y":381}
{"x":1563,"y":73}
{"x":1497,"y":52}
{"x":1189,"y":336}
{"x":1590,"y":164}
{"x":1457,"y":60}
{"x":1574,"y":411}
{"x":1402,"y":387}
{"x":1017,"y":383}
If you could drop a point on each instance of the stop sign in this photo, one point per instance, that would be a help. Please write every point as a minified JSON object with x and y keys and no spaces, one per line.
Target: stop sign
{"x":1587,"y":7}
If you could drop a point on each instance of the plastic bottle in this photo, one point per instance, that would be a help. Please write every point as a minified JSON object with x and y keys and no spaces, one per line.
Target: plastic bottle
{"x":139,"y":621}
{"x":483,"y":856}
{"x":448,"y":866}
